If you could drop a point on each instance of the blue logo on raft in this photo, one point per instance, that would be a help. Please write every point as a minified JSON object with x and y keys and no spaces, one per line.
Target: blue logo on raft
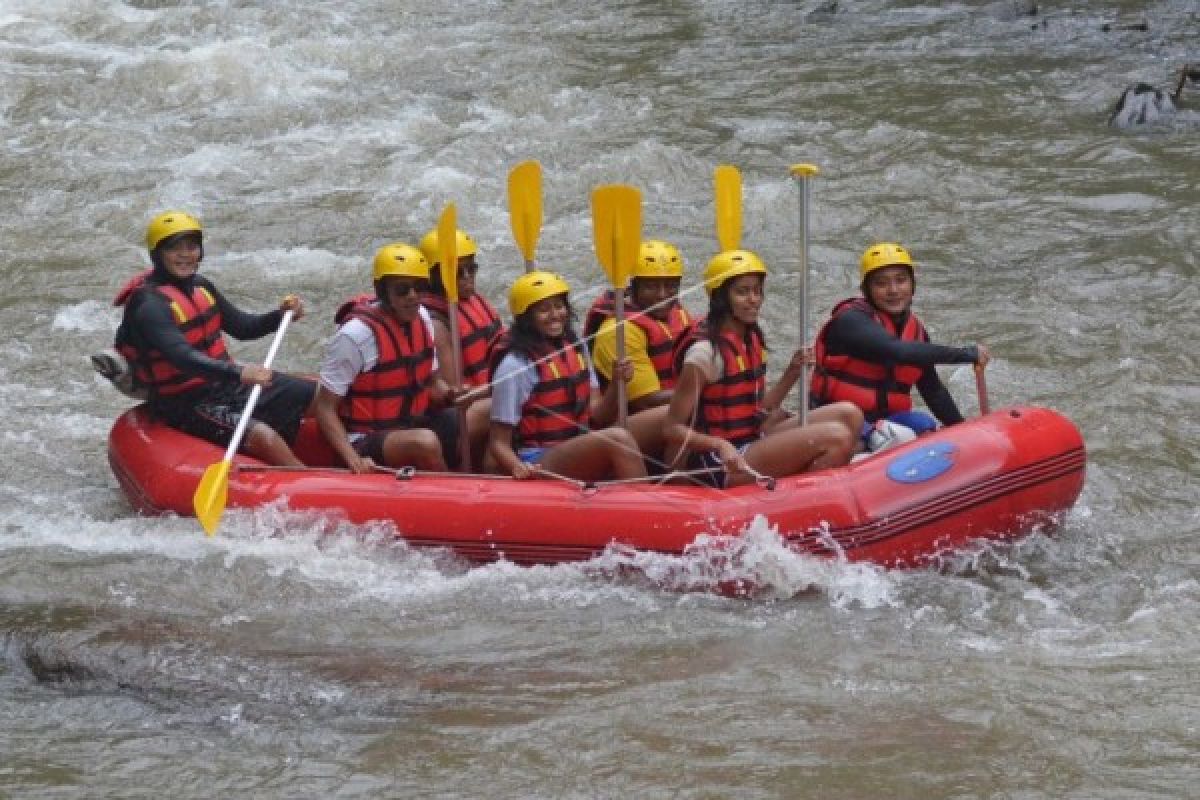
{"x":922,"y":464}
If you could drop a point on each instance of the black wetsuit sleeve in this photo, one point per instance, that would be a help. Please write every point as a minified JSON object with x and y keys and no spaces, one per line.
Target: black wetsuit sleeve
{"x":154,"y":324}
{"x":857,"y":334}
{"x":938,"y":398}
{"x":240,"y":324}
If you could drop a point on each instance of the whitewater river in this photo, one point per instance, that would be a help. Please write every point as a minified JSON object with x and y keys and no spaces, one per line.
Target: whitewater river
{"x":298,"y":657}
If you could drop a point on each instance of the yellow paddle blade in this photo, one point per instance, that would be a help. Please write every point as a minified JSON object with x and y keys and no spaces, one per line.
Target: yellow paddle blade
{"x":210,"y":496}
{"x":447,"y":229}
{"x":728,"y":201}
{"x":617,"y":230}
{"x":525,"y":206}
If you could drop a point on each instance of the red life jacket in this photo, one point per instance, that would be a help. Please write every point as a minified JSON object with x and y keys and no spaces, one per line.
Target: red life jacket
{"x":731,"y":406}
{"x":198,"y":319}
{"x":396,"y":390}
{"x":660,"y":335}
{"x":602,"y":308}
{"x":880,"y":390}
{"x":559,"y":407}
{"x":478,"y":327}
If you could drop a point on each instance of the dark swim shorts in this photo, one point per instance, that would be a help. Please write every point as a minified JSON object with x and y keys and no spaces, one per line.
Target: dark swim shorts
{"x":443,"y":423}
{"x":212,"y":413}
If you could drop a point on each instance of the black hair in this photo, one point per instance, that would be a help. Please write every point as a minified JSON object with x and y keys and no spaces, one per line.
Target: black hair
{"x":525,"y":339}
{"x":435,"y":281}
{"x":435,"y":277}
{"x":719,"y":310}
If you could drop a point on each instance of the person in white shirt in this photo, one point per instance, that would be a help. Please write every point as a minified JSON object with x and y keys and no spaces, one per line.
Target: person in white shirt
{"x":380,"y":399}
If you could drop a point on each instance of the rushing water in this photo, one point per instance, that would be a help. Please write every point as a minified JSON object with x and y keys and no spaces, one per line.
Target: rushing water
{"x":277,"y":660}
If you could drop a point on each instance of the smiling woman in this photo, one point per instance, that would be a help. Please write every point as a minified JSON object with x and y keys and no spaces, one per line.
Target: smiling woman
{"x":722,"y":417}
{"x":548,"y":413}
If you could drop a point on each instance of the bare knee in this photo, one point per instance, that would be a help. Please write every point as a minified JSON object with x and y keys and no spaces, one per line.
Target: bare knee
{"x":429,"y":450}
{"x":848,"y":415}
{"x":619,"y":437}
{"x":265,"y":444}
{"x":840,"y":442}
{"x":418,"y":447}
{"x":624,"y":453}
{"x":853,"y":416}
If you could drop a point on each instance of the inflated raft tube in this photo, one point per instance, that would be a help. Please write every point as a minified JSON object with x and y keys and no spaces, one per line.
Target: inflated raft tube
{"x":998,"y":476}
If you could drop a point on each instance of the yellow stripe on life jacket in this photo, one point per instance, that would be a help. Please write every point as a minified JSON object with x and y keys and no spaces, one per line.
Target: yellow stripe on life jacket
{"x":180,"y":316}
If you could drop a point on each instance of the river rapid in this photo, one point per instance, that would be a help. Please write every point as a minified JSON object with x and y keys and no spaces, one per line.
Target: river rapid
{"x":299,"y":657}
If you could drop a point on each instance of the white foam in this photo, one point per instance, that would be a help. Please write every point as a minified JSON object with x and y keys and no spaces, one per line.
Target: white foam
{"x":368,"y":563}
{"x":759,"y":563}
{"x":90,"y":316}
{"x":1119,"y":202}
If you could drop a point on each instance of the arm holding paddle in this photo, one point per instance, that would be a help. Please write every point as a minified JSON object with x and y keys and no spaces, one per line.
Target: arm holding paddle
{"x":447,"y":229}
{"x":981,"y":381}
{"x":606,"y":406}
{"x":291,"y":308}
{"x":617,"y":231}
{"x":210,"y":496}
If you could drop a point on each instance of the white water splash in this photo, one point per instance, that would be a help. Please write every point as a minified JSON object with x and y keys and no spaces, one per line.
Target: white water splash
{"x":757,"y":564}
{"x":90,"y":316}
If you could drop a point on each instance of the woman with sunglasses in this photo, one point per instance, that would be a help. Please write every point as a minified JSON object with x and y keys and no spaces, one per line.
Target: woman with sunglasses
{"x":479,"y":326}
{"x":547,"y":407}
{"x":380,"y":399}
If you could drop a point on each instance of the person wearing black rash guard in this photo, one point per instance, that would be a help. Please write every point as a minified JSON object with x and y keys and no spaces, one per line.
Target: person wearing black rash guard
{"x":171,"y":335}
{"x":874,"y":350}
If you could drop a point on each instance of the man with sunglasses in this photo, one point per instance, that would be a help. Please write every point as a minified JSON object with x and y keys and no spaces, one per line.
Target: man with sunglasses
{"x":479,"y":327}
{"x":380,"y":399}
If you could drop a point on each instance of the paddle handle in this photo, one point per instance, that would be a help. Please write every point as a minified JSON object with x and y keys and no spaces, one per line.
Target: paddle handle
{"x":464,"y":442}
{"x":981,"y":388}
{"x":802,"y":173}
{"x":244,"y":420}
{"x":619,"y":317}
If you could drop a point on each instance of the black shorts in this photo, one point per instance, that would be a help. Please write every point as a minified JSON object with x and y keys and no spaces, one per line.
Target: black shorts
{"x":443,"y":423}
{"x":212,"y":412}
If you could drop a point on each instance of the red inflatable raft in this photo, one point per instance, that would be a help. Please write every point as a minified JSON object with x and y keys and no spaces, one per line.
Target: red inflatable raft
{"x":993,"y":477}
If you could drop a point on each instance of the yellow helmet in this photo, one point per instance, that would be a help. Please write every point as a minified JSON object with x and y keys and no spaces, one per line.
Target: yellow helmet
{"x":464,"y":245}
{"x":658,"y":259}
{"x":400,"y":260}
{"x":169,"y":223}
{"x":731,"y":264}
{"x":884,"y":254}
{"x":533,"y":287}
